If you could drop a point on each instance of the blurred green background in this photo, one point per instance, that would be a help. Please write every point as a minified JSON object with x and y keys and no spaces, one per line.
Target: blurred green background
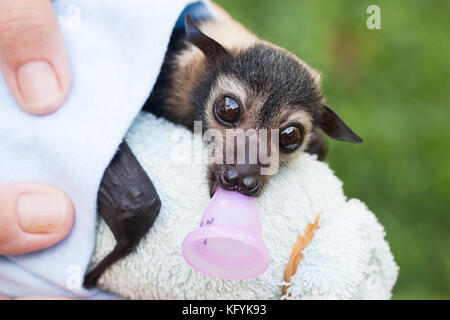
{"x":392,"y":87}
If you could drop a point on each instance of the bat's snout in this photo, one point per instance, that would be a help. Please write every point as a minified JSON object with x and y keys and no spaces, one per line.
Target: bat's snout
{"x":244,"y":178}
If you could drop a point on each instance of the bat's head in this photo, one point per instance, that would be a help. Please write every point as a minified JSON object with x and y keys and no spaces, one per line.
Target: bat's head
{"x":261,"y":106}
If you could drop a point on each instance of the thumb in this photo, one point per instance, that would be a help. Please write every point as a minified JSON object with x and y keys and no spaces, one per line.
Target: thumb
{"x":32,"y":217}
{"x":33,"y":57}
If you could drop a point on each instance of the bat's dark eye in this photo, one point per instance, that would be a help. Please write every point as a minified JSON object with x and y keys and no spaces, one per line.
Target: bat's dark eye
{"x":291,"y":138}
{"x":228,"y":111}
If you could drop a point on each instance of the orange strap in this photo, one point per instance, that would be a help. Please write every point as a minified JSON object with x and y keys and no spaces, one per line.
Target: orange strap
{"x":297,"y":251}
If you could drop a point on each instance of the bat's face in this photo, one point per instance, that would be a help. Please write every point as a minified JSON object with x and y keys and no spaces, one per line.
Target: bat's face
{"x":261,"y":105}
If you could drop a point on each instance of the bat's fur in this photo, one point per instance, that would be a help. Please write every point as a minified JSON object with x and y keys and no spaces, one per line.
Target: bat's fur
{"x":203,"y":65}
{"x":273,"y":87}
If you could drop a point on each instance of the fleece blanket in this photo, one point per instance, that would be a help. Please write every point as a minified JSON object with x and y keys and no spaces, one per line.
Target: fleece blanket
{"x":339,"y":243}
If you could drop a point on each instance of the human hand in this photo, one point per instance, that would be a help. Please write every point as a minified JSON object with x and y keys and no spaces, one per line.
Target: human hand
{"x":33,"y":57}
{"x":32,"y":217}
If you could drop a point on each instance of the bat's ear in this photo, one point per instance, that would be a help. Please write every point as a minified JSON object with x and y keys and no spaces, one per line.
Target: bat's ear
{"x":333,"y":126}
{"x":210,"y":47}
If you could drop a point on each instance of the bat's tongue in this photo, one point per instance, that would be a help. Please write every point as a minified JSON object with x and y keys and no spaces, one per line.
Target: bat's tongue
{"x":228,"y":244}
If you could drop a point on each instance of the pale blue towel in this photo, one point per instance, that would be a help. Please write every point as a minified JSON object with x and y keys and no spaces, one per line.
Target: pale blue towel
{"x":116,"y":49}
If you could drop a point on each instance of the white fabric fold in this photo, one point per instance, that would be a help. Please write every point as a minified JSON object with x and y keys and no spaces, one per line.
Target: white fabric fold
{"x":347,"y":258}
{"x":116,"y":50}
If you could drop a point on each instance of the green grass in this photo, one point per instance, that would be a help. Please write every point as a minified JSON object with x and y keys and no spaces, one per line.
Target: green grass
{"x":391,"y":86}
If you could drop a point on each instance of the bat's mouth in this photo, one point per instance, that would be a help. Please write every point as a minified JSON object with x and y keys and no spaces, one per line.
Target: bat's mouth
{"x":213,"y":187}
{"x":213,"y":181}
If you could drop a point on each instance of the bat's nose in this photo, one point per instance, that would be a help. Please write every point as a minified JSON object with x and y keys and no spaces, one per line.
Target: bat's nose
{"x":242,"y":178}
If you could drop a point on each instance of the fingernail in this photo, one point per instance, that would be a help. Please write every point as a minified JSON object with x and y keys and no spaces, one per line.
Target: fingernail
{"x":41,"y":212}
{"x":38,"y":84}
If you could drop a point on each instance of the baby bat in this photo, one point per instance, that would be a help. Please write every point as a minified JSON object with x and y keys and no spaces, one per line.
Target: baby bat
{"x":221,"y":74}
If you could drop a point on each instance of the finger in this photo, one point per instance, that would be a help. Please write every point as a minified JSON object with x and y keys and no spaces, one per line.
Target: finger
{"x":32,"y":217}
{"x":33,"y":57}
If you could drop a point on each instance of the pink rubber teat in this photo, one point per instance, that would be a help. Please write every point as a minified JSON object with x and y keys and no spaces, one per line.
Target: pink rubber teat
{"x":228,"y":244}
